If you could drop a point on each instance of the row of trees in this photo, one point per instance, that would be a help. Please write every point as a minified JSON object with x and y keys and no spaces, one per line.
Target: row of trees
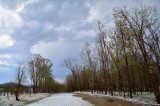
{"x":126,"y":59}
{"x":39,"y":71}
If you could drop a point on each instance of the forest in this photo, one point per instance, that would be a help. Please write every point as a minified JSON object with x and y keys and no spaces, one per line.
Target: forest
{"x":125,"y":59}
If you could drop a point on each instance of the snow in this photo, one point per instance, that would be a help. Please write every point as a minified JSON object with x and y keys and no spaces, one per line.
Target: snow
{"x":147,"y":98}
{"x":61,"y":99}
{"x":25,"y":98}
{"x":68,"y":99}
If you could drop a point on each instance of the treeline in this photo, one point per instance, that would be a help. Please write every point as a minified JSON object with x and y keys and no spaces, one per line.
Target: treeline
{"x":39,"y":72}
{"x":125,"y":59}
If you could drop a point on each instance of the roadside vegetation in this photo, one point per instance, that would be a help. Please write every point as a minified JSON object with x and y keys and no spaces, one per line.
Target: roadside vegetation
{"x":38,"y":71}
{"x":124,"y":59}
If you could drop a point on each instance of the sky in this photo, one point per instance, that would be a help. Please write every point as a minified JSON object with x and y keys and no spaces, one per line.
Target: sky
{"x":55,"y":29}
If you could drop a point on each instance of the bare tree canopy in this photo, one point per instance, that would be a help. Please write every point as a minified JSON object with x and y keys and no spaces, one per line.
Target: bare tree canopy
{"x":128,"y":56}
{"x":20,"y":79}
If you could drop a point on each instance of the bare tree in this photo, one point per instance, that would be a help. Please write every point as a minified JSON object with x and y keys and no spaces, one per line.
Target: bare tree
{"x":104,"y":56}
{"x":73,"y":67}
{"x":70,"y":64}
{"x":90,"y":63}
{"x":20,"y":79}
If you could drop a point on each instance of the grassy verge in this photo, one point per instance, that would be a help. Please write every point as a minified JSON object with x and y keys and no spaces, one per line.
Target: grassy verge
{"x":105,"y":101}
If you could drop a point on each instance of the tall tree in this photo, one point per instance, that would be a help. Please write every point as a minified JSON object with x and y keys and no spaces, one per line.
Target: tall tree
{"x":90,"y":64}
{"x":40,"y":69}
{"x":104,"y":58}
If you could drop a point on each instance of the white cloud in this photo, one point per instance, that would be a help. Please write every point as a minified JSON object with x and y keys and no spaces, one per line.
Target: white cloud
{"x":32,"y":24}
{"x":97,"y":12}
{"x":8,"y":60}
{"x":60,"y":28}
{"x":58,"y":50}
{"x":48,"y":27}
{"x":59,"y":80}
{"x":94,"y":14}
{"x":9,"y":20}
{"x":48,"y":49}
{"x":49,"y":7}
{"x":85,"y":34}
{"x":4,"y":63}
{"x":5,"y":56}
{"x":6,"y":41}
{"x":20,"y":7}
{"x":64,"y":28}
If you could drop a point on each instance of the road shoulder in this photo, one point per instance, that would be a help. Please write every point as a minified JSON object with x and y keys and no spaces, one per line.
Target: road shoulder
{"x":104,"y":101}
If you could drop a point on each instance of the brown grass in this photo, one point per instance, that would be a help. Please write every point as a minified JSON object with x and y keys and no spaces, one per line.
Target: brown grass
{"x":105,"y":101}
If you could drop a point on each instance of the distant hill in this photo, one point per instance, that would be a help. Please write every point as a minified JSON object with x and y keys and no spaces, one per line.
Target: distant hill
{"x":10,"y":84}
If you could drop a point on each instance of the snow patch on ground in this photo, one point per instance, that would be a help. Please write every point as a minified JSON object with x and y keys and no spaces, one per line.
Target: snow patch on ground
{"x":61,"y":99}
{"x":146,"y":99}
{"x":25,"y":98}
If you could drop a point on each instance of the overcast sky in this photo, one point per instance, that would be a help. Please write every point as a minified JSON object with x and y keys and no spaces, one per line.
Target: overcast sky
{"x":56,"y":29}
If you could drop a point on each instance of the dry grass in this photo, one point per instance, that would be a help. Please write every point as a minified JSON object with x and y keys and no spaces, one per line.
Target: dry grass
{"x":105,"y":101}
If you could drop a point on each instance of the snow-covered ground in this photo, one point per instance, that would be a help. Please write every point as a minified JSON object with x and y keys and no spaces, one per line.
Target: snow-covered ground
{"x":61,"y":99}
{"x":68,"y":99}
{"x":146,"y":98}
{"x":25,"y":98}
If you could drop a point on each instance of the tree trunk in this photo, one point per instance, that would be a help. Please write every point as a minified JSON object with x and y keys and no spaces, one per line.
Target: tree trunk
{"x":17,"y":93}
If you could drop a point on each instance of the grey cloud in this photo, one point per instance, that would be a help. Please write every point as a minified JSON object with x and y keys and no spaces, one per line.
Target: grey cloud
{"x":45,"y":21}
